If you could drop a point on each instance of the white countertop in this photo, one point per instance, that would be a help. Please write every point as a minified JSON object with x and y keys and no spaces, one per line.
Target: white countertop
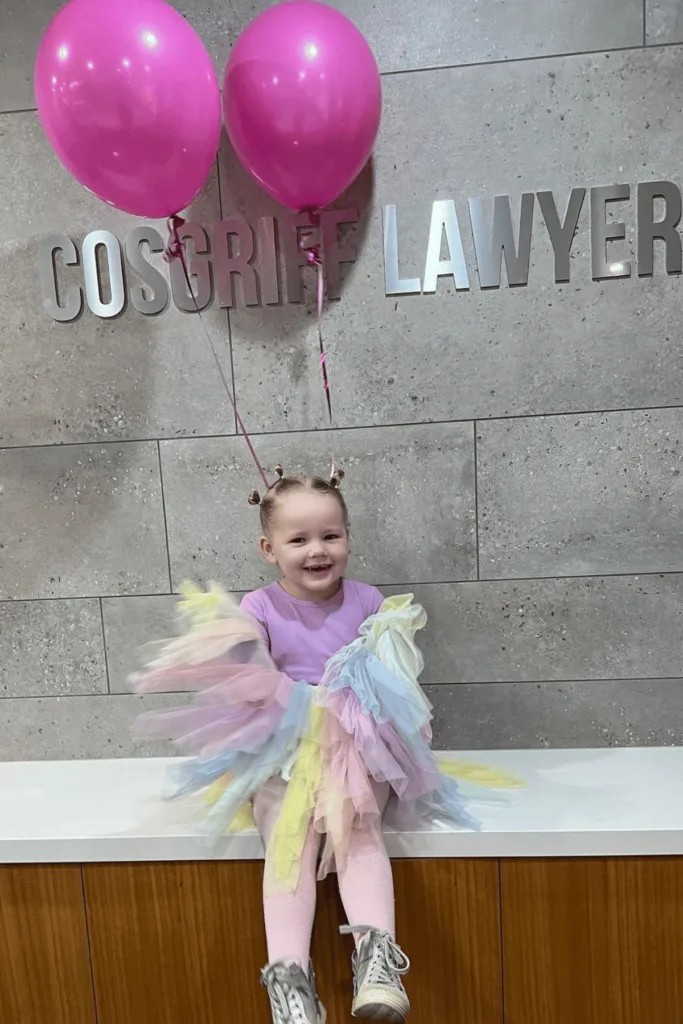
{"x":576,"y":803}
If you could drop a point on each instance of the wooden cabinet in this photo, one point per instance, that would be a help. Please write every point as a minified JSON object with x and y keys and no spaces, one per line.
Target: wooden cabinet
{"x":183,"y":943}
{"x":44,"y":961}
{"x":511,"y":942}
{"x":176,"y":943}
{"x":593,"y":941}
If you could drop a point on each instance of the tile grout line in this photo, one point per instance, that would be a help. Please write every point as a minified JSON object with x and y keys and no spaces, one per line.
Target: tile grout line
{"x":509,"y":580}
{"x":595,"y":681}
{"x":672,"y":407}
{"x":233,"y":385}
{"x":458,"y":65}
{"x":227,"y":313}
{"x":104,"y":645}
{"x":644,"y":22}
{"x":634,"y":48}
{"x":19,"y":110}
{"x":476,"y":496}
{"x":163,"y":507}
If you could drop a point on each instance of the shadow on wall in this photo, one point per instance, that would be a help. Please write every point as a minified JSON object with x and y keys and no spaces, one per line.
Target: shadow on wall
{"x":72,"y":507}
{"x":288,"y":328}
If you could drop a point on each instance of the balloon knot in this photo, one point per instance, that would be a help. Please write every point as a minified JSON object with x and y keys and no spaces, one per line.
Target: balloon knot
{"x":174,"y":246}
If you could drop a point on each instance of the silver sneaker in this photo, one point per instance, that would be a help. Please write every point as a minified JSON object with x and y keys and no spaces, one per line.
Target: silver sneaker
{"x":293,"y":999}
{"x":378,"y":966}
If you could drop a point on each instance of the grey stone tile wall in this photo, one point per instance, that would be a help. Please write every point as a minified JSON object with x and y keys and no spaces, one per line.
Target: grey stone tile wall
{"x":50,"y":648}
{"x":82,"y":520}
{"x":68,"y":728}
{"x":546,"y":348}
{"x":581,"y":494}
{"x":512,"y":454}
{"x":128,"y":378}
{"x":412,"y":37}
{"x":664,"y":21}
{"x":589,"y":628}
{"x":585,"y":714}
{"x":406,"y":530}
{"x":131,"y":626}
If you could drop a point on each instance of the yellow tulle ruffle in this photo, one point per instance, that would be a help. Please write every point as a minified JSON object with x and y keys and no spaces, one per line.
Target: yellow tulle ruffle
{"x":478,"y":774}
{"x":289,"y":836}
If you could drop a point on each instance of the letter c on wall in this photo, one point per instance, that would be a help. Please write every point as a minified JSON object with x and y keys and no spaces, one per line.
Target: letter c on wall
{"x":73,"y":298}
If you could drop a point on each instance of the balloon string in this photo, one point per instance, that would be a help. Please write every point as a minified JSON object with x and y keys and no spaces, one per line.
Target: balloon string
{"x":313,"y":253}
{"x":176,"y":250}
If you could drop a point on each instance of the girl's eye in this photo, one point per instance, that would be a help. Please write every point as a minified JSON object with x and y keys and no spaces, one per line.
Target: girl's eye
{"x":332,"y":536}
{"x":297,"y":540}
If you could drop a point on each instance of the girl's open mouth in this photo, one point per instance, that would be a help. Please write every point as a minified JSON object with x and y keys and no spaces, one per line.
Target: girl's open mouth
{"x":318,"y":569}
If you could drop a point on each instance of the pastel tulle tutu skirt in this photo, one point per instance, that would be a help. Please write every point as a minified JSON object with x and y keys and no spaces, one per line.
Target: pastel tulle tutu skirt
{"x":367,"y":720}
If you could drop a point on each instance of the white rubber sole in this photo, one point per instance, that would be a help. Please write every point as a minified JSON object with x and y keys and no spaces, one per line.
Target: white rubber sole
{"x":379,"y":1002}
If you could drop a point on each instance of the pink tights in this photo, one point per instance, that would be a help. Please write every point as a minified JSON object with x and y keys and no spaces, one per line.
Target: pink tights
{"x":366,"y":884}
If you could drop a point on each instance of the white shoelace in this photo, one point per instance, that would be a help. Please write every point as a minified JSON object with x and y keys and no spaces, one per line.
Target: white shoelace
{"x":284,"y":998}
{"x":388,"y":962}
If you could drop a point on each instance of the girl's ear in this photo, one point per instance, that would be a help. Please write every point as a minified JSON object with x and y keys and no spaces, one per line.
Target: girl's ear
{"x":266,"y":549}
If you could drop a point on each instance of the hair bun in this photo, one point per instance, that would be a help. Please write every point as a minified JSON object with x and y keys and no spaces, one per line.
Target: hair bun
{"x":254,"y":498}
{"x":336,"y":479}
{"x":279,"y":472}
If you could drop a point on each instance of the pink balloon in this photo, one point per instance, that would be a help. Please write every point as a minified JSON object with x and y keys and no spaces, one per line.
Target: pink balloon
{"x":130,"y":102}
{"x":302,"y":100}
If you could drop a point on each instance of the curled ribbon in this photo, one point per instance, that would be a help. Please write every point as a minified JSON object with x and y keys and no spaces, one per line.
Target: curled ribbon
{"x":175,"y":249}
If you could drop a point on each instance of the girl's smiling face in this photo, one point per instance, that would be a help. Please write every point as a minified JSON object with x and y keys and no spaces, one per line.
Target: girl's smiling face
{"x":309,"y":541}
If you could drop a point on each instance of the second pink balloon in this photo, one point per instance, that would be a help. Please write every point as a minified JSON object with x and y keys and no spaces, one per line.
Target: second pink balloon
{"x":302,"y":100}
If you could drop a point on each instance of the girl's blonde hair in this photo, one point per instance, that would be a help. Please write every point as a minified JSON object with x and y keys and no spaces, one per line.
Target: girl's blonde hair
{"x":285,"y":485}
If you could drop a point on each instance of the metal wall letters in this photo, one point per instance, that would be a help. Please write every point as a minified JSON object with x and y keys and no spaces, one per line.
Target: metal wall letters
{"x":237,"y":263}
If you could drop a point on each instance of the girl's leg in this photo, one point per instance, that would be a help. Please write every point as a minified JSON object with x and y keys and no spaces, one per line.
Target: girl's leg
{"x":366,"y":884}
{"x":289,"y":916}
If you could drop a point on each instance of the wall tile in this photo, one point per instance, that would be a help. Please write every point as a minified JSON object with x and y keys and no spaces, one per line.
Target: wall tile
{"x":500,"y":716}
{"x":412,"y":487}
{"x":476,"y":717}
{"x":569,"y":495}
{"x":472,"y":32}
{"x":51,"y":647}
{"x":448,"y":33}
{"x":72,"y":728}
{"x":33,"y":177}
{"x":483,"y":131}
{"x":81,"y":520}
{"x":664,"y":21}
{"x":129,"y":624}
{"x":130,"y":377}
{"x":625,"y":627}
{"x":21,"y":28}
{"x":464,"y":33}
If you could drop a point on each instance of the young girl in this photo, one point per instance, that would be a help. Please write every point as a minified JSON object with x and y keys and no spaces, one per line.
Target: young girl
{"x":309,"y":615}
{"x":309,"y":707}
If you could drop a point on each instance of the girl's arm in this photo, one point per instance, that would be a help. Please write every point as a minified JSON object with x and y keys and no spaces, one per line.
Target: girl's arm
{"x":253,"y":605}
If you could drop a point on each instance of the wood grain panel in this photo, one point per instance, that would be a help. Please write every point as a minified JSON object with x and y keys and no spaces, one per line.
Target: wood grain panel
{"x":177,"y":943}
{"x":183,"y":943}
{"x":593,"y":941}
{"x":44,"y":965}
{"x":448,"y":922}
{"x":448,"y":911}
